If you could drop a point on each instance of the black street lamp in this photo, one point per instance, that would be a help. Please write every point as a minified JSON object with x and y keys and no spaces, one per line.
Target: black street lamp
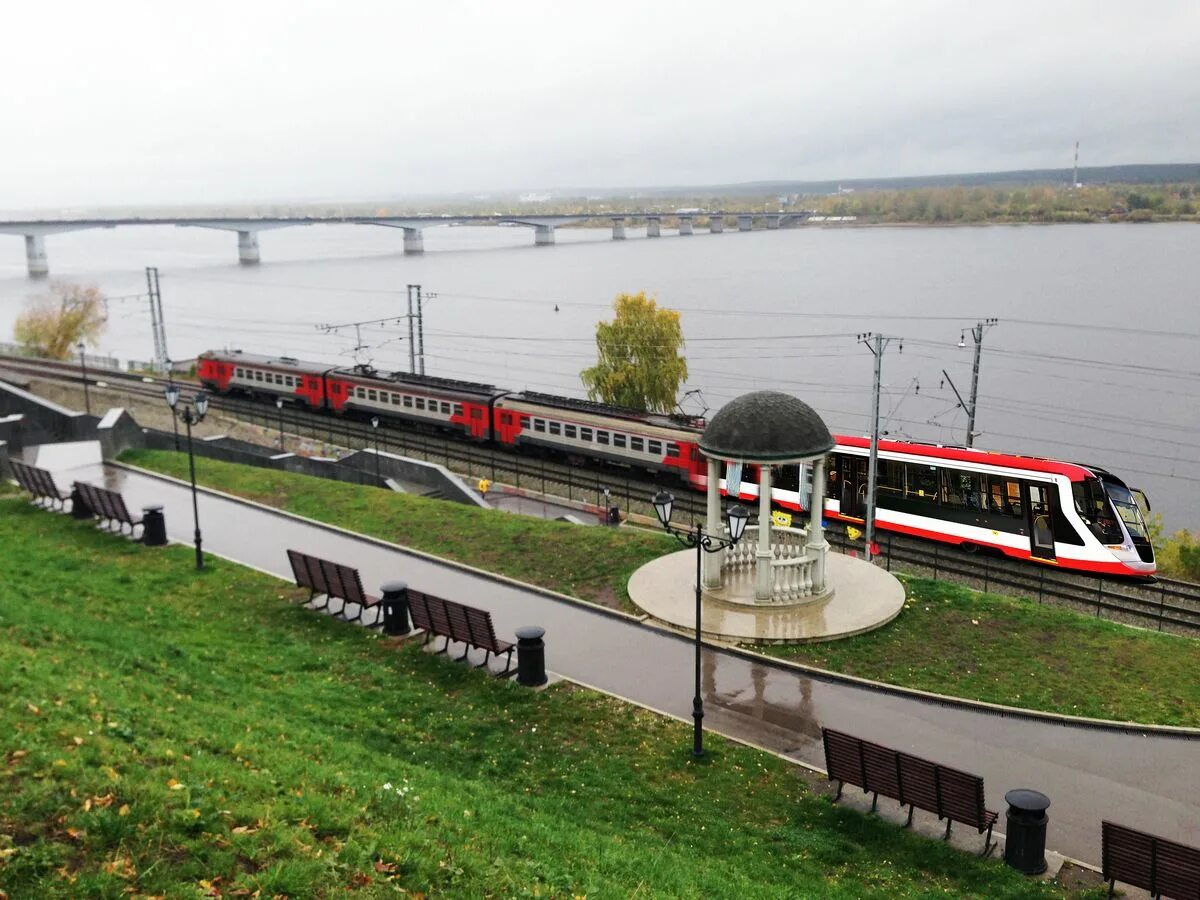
{"x":375,"y":431}
{"x":87,"y":398}
{"x":170,"y":386}
{"x":279,"y":406}
{"x":191,"y":415}
{"x":736,"y":518}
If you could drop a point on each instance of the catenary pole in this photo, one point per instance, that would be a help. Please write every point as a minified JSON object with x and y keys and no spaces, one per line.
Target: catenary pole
{"x":876,"y":343}
{"x":977,"y":334}
{"x":412,"y":346}
{"x":420,"y":331}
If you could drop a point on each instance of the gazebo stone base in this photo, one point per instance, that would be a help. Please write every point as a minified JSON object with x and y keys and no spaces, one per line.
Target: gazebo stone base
{"x":866,"y":597}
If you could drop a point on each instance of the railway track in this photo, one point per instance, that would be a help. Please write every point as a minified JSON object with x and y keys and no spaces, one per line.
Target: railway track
{"x":1164,"y":604}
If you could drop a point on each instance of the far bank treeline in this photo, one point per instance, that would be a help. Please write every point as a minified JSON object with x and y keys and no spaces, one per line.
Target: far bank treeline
{"x":1042,"y":203}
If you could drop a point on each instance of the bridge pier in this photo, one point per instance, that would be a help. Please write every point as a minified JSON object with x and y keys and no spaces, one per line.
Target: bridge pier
{"x":773,"y":222}
{"x":248,"y":248}
{"x":745,"y":223}
{"x":716,"y":224}
{"x":653,"y":227}
{"x":618,"y":229}
{"x":414,"y":240}
{"x":543,"y":235}
{"x":685,"y":225}
{"x":35,"y":256}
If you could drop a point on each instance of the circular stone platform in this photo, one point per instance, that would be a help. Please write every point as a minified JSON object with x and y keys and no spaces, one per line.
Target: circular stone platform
{"x":865,"y":597}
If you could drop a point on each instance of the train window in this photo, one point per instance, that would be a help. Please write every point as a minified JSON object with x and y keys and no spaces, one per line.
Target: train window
{"x":241,"y":373}
{"x":420,"y":403}
{"x":458,"y":409}
{"x":654,"y":447}
{"x":618,"y":440}
{"x":601,"y":437}
{"x":921,"y":483}
{"x":585,"y":434}
{"x":446,"y":408}
{"x":525,"y":421}
{"x":395,"y":398}
{"x":672,"y":450}
{"x":637,"y":444}
{"x":408,"y":401}
{"x":278,"y":378}
{"x":555,"y":428}
{"x":569,"y":431}
{"x":258,"y":376}
{"x":372,"y":395}
{"x":539,"y":425}
{"x":960,"y":490}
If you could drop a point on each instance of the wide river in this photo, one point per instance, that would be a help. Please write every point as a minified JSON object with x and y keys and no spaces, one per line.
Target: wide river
{"x":1095,"y":357}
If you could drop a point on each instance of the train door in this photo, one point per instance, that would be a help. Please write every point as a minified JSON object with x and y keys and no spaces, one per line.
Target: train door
{"x":854,"y":486}
{"x":1039,"y":505}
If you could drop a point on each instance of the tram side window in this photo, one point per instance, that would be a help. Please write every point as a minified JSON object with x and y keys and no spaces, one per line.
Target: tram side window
{"x":921,"y":483}
{"x":889,"y":484}
{"x":785,"y":478}
{"x":1004,"y":497}
{"x":960,"y":490}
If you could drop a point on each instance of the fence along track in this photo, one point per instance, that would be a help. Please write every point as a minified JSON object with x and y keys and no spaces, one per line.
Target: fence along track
{"x":1166,"y":604}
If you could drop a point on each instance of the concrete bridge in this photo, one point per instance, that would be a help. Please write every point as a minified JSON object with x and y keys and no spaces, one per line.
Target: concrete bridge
{"x":35,"y":231}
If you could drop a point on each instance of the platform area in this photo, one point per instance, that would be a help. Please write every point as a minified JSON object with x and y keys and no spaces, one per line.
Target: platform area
{"x":865,"y":597}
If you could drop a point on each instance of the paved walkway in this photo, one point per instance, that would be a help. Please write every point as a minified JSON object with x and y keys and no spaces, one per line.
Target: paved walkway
{"x":1146,"y":781}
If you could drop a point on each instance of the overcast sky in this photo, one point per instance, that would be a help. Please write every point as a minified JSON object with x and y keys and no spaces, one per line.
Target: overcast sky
{"x":139,"y":102}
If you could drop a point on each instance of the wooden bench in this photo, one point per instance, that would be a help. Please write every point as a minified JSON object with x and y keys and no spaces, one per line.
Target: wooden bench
{"x":334,"y":581}
{"x":108,"y":506}
{"x":38,"y":482}
{"x":951,"y":794}
{"x":1162,"y":867}
{"x":462,"y":624}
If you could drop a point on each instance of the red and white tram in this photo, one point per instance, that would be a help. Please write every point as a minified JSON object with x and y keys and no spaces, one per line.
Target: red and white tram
{"x":1049,"y":512}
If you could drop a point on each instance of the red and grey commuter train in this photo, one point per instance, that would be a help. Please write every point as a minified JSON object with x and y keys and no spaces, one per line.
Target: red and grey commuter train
{"x":1050,"y":512}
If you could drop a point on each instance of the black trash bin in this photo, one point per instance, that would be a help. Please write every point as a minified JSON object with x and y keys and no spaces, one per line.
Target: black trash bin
{"x":531,"y":656}
{"x":395,"y":608}
{"x":154,"y":526}
{"x":1025,"y":838}
{"x":614,"y":515}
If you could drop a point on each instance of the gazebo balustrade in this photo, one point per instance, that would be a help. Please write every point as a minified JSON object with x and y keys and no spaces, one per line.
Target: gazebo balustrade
{"x":793,"y":563}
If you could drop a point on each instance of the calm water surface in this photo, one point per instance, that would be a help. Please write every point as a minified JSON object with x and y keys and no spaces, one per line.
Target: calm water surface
{"x":1095,"y":358}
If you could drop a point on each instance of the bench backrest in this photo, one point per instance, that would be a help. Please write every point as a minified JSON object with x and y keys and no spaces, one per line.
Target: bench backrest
{"x":961,"y":796}
{"x":438,"y":620}
{"x":480,"y":623}
{"x":332,"y":575}
{"x":919,"y":777}
{"x":46,"y":482}
{"x":460,"y":628}
{"x":418,"y":606}
{"x":1150,"y":862}
{"x":120,"y":512}
{"x":87,"y":492}
{"x":843,"y":757}
{"x":300,"y":570}
{"x":21,"y":472}
{"x":352,"y":585}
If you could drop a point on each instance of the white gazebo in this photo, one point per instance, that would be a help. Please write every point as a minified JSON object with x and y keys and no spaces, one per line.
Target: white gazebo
{"x":767,"y":429}
{"x":776,"y":585}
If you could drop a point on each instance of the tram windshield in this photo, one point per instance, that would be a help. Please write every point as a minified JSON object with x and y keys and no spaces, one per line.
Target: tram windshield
{"x":1097,"y":513}
{"x":1128,"y":510}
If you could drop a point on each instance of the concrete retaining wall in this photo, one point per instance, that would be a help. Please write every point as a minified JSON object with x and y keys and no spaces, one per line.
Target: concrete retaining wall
{"x":44,"y":422}
{"x":414,"y":471}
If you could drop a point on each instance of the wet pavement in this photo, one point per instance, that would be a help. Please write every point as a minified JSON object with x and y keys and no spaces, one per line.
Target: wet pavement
{"x":1147,"y":781}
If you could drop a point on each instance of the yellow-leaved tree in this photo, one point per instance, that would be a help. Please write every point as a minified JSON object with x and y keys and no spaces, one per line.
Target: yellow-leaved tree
{"x":54,"y":322}
{"x":639,"y":365}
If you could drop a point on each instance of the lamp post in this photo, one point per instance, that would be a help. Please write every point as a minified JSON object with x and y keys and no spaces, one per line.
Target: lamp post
{"x":279,"y":406}
{"x":170,"y":385}
{"x":191,"y":415}
{"x":375,"y":432}
{"x":696,"y":537}
{"x":87,"y":398}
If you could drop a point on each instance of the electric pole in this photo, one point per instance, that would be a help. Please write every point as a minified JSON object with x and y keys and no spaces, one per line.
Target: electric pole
{"x":977,"y":333}
{"x":157,"y":325}
{"x":420,"y":331}
{"x":412,"y":344}
{"x":876,"y":343}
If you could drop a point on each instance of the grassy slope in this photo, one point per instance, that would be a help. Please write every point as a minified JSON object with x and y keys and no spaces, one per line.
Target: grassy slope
{"x":592,"y":563}
{"x":1019,"y":654}
{"x":176,"y":733}
{"x":958,"y":641}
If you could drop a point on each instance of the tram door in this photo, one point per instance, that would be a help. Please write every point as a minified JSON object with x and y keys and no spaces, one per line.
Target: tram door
{"x":854,"y":486}
{"x":1041,"y":518}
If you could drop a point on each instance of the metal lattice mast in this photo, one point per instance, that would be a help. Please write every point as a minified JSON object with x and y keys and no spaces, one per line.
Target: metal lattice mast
{"x":876,"y":343}
{"x":157,"y":324}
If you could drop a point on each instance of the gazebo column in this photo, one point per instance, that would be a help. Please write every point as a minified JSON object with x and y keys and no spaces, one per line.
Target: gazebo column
{"x":714,"y":525}
{"x":764,"y":582}
{"x":817,"y":546}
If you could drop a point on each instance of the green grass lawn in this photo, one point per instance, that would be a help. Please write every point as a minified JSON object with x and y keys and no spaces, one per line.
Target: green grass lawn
{"x":954,"y":640}
{"x":949,"y":639}
{"x":591,"y":563}
{"x":184,"y":734}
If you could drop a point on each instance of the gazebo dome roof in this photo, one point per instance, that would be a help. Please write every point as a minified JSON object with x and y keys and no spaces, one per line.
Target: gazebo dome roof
{"x":767,"y":427}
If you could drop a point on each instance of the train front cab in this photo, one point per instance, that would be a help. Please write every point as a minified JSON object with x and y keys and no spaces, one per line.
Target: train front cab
{"x":1090,"y":525}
